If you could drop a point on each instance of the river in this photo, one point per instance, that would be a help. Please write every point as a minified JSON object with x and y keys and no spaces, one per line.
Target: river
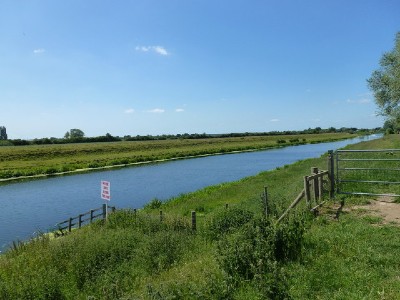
{"x":28,"y":207}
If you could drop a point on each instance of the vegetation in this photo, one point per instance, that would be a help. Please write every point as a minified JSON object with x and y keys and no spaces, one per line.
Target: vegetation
{"x":32,"y":160}
{"x":385,"y":84}
{"x":236,"y":253}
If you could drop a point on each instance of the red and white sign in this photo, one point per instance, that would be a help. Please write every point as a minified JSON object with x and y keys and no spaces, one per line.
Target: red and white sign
{"x":105,"y":190}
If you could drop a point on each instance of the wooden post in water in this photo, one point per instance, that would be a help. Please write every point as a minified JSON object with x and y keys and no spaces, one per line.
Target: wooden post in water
{"x":194,"y":220}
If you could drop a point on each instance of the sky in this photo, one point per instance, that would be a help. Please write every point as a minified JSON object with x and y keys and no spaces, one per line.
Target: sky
{"x":190,"y":66}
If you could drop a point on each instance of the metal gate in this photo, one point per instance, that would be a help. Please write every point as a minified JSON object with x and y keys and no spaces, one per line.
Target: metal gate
{"x":368,"y":172}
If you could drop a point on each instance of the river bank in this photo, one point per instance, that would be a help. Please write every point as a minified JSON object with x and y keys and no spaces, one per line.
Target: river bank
{"x":352,"y":257}
{"x":31,"y":162}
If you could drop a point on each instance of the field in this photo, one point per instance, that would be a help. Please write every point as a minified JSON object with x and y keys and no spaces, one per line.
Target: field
{"x":19,"y":161}
{"x":236,"y":253}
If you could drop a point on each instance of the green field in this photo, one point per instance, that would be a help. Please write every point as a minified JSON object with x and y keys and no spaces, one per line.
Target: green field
{"x":236,"y":253}
{"x":19,"y":161}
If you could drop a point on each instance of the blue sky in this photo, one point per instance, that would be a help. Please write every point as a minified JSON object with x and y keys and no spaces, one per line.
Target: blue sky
{"x":168,"y":67}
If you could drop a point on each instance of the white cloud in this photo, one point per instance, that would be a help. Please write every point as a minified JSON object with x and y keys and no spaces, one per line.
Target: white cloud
{"x":156,"y":49}
{"x":39,"y":51}
{"x":179,"y":110}
{"x":129,"y":111}
{"x":274,"y":120}
{"x":156,"y":111}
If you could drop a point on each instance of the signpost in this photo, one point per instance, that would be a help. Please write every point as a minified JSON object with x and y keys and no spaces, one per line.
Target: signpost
{"x":106,"y":193}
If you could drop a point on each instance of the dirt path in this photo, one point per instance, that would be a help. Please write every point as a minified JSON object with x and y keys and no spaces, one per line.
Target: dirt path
{"x":383,"y":207}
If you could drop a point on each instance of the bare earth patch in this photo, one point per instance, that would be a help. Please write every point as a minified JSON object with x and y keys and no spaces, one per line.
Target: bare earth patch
{"x":383,"y":207}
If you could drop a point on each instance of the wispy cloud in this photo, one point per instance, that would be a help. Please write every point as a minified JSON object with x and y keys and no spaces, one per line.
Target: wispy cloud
{"x":274,"y":120}
{"x":129,"y":111}
{"x":156,"y":111}
{"x":179,"y":110}
{"x":39,"y":51}
{"x":156,"y":49}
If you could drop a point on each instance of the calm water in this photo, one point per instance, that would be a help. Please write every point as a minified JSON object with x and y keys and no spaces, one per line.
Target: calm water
{"x":27,"y":207}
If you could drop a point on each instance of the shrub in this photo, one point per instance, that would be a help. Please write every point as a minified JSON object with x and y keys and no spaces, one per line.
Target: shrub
{"x":227,"y":221}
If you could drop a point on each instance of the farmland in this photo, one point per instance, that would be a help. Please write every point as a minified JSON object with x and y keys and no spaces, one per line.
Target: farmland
{"x":33,"y":160}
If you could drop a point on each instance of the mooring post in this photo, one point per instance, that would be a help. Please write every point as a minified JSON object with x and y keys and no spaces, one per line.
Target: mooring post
{"x":194,"y":220}
{"x":331,"y":171}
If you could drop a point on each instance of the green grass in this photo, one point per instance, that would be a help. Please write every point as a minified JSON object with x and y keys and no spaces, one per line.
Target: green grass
{"x":235,"y":253}
{"x":19,"y":161}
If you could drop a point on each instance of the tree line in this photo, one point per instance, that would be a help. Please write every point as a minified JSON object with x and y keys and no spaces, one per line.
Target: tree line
{"x":78,"y":136}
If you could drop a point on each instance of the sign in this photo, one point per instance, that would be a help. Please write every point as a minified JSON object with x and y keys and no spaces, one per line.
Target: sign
{"x":105,"y":190}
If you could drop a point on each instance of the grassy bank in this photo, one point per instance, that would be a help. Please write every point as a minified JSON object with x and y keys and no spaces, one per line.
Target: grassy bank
{"x":51,"y":159}
{"x":234,"y":254}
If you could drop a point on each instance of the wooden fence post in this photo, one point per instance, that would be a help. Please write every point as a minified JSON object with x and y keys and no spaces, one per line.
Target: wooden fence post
{"x":194,"y":220}
{"x":331,"y":170}
{"x":70,"y":224}
{"x":91,"y":215}
{"x":80,"y":221}
{"x":320,"y":187}
{"x":314,"y":171}
{"x":307,"y":191}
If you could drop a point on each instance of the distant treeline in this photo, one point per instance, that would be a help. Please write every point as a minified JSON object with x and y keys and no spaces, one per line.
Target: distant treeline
{"x":109,"y":138}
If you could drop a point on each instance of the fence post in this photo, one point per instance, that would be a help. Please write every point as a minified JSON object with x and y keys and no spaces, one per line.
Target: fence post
{"x":314,"y":171}
{"x":307,"y":191}
{"x":193,"y":220}
{"x":80,"y":221}
{"x":161,"y":216}
{"x":331,"y":171}
{"x":70,"y":224}
{"x":91,"y":215}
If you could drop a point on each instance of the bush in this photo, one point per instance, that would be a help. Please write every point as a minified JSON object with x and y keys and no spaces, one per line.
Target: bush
{"x":258,"y":250}
{"x":227,"y":221}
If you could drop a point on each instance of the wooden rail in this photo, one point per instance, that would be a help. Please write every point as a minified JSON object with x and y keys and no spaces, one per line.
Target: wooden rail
{"x":313,"y":190}
{"x":83,"y":219}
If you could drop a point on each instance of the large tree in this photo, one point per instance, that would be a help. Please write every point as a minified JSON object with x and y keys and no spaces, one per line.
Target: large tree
{"x":74,"y":133}
{"x":385,"y":84}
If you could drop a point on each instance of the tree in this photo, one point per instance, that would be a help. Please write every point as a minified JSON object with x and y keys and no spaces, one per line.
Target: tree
{"x":74,"y":134}
{"x":385,"y":83}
